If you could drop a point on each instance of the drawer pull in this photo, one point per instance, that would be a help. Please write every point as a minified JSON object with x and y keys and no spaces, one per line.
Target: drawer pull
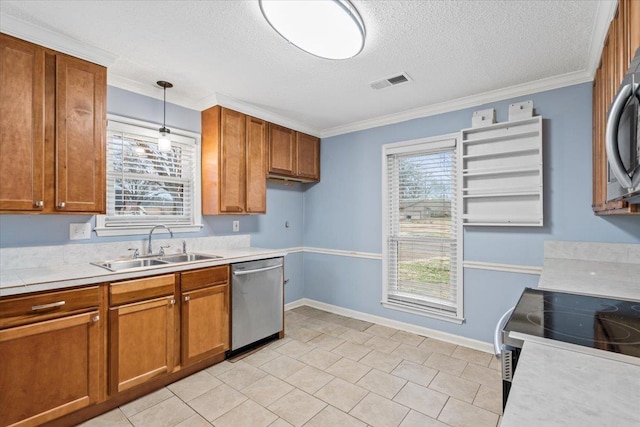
{"x":95,"y":319}
{"x":40,"y":204}
{"x":187,"y":298}
{"x":172,"y":301}
{"x":62,"y":205}
{"x":46,"y":306}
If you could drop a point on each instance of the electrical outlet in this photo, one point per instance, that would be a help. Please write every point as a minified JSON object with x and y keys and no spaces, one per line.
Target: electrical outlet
{"x":236,"y":225}
{"x":81,"y":231}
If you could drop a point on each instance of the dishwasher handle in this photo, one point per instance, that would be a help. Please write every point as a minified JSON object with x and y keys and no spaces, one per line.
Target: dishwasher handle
{"x":257,"y":270}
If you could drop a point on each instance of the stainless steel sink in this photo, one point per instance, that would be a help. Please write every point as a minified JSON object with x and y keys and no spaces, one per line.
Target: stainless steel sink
{"x":135,"y":263}
{"x":188,"y":257}
{"x":128,"y":264}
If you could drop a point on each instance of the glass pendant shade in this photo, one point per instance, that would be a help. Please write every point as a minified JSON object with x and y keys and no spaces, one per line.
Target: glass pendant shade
{"x":164,"y":142}
{"x":329,"y":29}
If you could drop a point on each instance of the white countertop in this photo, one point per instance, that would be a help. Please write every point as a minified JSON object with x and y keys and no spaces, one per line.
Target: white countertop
{"x":559,"y":387}
{"x":15,"y":281}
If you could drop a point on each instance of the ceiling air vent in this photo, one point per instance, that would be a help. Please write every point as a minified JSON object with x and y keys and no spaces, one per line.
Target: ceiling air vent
{"x":391,"y":81}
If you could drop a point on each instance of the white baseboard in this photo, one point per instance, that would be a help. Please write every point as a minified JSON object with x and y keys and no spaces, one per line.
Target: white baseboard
{"x":419,"y":330}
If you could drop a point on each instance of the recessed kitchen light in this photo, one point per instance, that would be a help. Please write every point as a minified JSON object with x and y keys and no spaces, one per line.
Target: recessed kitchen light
{"x":329,"y":29}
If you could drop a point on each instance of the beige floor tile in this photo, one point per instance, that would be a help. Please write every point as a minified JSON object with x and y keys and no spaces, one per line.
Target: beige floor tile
{"x":408,"y":338}
{"x":438,"y":346}
{"x":217,"y":402}
{"x":278,"y":343}
{"x":416,"y":419}
{"x":145,"y":402}
{"x":297,"y":407}
{"x":219,"y":368}
{"x":241,"y":375}
{"x":385,"y":345}
{"x":332,"y":417}
{"x":280,"y":423}
{"x":473,"y":356}
{"x":457,"y":387}
{"x":381,"y":331}
{"x":382,"y":361}
{"x":282,"y":367}
{"x":341,"y":394}
{"x":195,"y":420}
{"x":267,"y":390}
{"x":261,"y":357}
{"x":326,"y":342}
{"x":307,"y":311}
{"x":194,"y":385}
{"x":115,"y":418}
{"x":415,"y":373}
{"x":294,"y":348}
{"x":302,"y":334}
{"x":487,"y":376}
{"x":489,"y":398}
{"x":247,"y":414}
{"x":331,"y":318}
{"x":291,"y":317}
{"x":495,"y":363}
{"x":352,"y":351}
{"x":325,"y":327}
{"x":358,"y":325}
{"x":422,"y":399}
{"x":445,"y":363}
{"x":379,"y":412}
{"x":386,"y":385}
{"x":309,"y":379}
{"x":460,"y":414}
{"x":319,"y":358}
{"x":412,"y":353}
{"x":356,"y":337}
{"x":167,"y":413}
{"x":348,"y":370}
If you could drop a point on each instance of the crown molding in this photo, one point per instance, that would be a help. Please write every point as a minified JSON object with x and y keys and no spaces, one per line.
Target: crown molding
{"x":53,"y":40}
{"x":604,"y":15}
{"x":461,"y":103}
{"x":150,"y":90}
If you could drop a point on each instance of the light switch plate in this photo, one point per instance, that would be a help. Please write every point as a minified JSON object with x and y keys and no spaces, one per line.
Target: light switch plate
{"x":80,"y":231}
{"x":236,"y":225}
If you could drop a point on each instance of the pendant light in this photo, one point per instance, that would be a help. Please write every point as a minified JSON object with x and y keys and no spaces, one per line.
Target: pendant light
{"x":330,"y":29}
{"x":164,"y":142}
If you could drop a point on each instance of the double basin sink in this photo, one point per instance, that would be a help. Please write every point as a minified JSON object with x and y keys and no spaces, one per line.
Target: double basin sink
{"x":137,"y":263}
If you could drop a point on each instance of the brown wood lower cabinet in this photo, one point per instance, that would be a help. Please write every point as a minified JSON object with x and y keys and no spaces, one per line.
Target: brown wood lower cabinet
{"x":49,"y":369}
{"x":141,"y":333}
{"x":205,"y":313}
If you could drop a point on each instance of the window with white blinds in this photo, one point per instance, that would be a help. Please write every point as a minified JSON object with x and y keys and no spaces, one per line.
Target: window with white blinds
{"x":422,"y":247}
{"x":147,"y":187}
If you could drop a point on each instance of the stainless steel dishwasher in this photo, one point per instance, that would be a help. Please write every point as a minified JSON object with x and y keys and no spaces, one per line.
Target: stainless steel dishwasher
{"x":256,"y":302}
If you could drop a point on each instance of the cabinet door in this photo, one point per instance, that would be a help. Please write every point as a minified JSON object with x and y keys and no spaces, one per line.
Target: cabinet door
{"x":141,"y":343}
{"x":282,"y":150}
{"x":256,"y":188}
{"x":21,"y":125}
{"x":308,"y":156}
{"x":205,"y":323}
{"x":232,"y":161}
{"x":80,"y":135}
{"x":49,"y":369}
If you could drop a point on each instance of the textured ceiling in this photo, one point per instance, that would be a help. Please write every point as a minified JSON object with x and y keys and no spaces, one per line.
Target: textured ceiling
{"x":225,"y":52}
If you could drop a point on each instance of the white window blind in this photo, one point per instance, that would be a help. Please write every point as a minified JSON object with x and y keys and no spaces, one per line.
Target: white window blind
{"x":422,"y":235}
{"x":145,"y":186}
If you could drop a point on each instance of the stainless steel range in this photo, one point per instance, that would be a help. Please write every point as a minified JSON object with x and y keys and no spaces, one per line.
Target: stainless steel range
{"x":607,"y":327}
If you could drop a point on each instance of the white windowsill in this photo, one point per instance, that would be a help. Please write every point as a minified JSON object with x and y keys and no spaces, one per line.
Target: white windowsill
{"x":142,"y":230}
{"x":424,"y":313}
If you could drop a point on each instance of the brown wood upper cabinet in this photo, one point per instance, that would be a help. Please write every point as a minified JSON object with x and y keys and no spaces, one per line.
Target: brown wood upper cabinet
{"x":51,"y":350}
{"x":52,"y":131}
{"x":621,"y":43}
{"x":234,"y":173}
{"x":293,"y":155}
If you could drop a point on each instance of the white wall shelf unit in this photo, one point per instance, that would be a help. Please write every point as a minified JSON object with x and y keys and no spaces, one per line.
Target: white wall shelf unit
{"x":502,"y":174}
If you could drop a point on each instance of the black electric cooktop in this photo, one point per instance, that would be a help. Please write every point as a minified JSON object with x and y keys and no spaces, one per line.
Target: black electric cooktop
{"x":589,"y":321}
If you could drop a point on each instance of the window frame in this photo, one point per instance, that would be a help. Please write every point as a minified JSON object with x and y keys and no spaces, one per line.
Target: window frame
{"x":435,"y":143}
{"x":102,"y":224}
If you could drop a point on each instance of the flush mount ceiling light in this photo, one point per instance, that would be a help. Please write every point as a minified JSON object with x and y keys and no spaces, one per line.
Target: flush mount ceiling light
{"x":164,"y":142}
{"x":329,"y":29}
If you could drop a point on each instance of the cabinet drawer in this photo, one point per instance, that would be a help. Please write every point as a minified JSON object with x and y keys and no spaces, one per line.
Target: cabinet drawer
{"x":206,"y":277}
{"x":141,"y":289}
{"x":51,"y":305}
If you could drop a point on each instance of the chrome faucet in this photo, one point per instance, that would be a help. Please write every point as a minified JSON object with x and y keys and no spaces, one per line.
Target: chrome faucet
{"x":149,"y":250}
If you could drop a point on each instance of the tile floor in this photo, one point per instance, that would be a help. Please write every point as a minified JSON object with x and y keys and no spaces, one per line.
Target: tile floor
{"x":330,"y":370}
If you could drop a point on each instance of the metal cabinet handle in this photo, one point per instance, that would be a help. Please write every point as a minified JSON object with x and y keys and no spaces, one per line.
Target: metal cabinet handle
{"x":39,"y":203}
{"x":257,"y":270}
{"x":61,"y":205}
{"x":187,"y":298}
{"x":95,"y":319}
{"x":46,"y":306}
{"x":172,"y":301}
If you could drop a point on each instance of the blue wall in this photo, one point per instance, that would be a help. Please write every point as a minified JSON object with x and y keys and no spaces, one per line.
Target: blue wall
{"x":344,"y":212}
